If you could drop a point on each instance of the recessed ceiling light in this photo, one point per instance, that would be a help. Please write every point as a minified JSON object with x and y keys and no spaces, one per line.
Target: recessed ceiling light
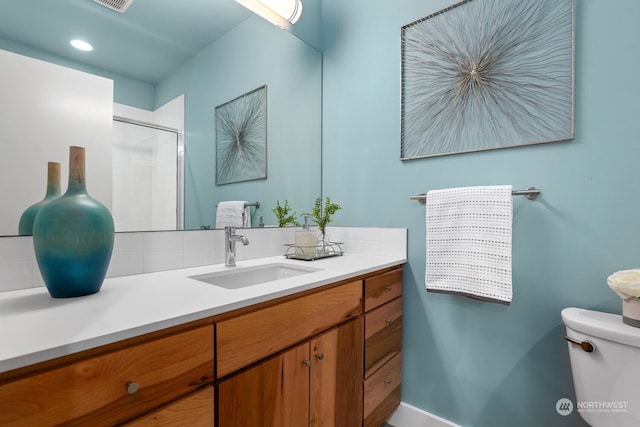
{"x":81,"y":45}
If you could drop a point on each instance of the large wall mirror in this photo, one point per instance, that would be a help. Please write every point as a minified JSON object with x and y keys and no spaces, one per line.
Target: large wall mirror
{"x":173,"y":63}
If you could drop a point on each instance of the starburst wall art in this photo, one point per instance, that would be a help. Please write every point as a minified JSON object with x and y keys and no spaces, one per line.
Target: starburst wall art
{"x":487,"y":74}
{"x":241,"y":138}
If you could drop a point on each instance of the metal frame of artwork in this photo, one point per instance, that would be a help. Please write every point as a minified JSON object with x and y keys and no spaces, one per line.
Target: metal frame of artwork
{"x":488,"y":74}
{"x":241,"y":138}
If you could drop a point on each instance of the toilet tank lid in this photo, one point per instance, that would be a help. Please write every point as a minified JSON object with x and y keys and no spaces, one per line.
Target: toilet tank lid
{"x":601,"y":325}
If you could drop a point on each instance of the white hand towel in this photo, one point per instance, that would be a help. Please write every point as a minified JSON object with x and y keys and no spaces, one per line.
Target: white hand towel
{"x":233,"y":214}
{"x":468,"y":243}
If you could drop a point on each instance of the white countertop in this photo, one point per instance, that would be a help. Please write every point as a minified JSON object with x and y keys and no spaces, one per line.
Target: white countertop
{"x":35,"y":327}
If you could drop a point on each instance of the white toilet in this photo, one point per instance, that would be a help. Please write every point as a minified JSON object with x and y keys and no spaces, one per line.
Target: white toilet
{"x":605,"y":362}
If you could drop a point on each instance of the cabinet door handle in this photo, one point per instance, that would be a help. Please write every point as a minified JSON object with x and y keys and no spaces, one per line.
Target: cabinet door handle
{"x":388,"y":321}
{"x":307,"y":363}
{"x":388,"y":288}
{"x":319,"y":356}
{"x":132,"y":387}
{"x":387,"y":381}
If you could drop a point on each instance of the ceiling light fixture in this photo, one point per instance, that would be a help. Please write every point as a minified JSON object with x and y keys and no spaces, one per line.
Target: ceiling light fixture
{"x":81,"y":45}
{"x":275,"y":11}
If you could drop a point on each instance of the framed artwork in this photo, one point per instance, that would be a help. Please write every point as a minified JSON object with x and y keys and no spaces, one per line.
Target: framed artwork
{"x":487,"y":74}
{"x":241,"y":138}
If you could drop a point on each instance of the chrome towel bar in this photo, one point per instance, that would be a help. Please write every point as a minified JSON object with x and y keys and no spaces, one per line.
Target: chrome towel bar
{"x":531,"y":193}
{"x":256,"y":204}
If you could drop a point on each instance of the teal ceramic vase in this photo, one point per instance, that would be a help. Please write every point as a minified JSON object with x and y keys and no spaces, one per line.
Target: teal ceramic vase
{"x":73,"y":237}
{"x":25,"y":225}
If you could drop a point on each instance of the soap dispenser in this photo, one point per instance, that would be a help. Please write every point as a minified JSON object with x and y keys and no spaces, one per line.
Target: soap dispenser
{"x":305,"y":241}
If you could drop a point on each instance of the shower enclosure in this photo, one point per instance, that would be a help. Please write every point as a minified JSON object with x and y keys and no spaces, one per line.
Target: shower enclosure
{"x":147,"y":176}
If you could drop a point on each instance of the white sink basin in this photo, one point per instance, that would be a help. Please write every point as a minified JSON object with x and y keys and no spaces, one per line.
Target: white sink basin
{"x":236,"y":278}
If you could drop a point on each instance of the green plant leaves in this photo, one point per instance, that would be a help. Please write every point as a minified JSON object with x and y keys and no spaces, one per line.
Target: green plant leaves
{"x":320,"y":216}
{"x":283,"y":214}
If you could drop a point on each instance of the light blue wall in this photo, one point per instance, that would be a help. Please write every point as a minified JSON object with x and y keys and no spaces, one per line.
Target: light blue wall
{"x":309,"y":26}
{"x":253,"y":54}
{"x":478,"y":363}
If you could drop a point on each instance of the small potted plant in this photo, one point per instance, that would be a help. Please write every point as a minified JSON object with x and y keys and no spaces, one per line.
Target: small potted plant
{"x":284,"y":215}
{"x":322,"y":217}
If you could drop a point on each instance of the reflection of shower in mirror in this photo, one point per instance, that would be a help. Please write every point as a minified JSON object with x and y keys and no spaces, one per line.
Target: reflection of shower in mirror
{"x":144,"y":177}
{"x":146,"y":73}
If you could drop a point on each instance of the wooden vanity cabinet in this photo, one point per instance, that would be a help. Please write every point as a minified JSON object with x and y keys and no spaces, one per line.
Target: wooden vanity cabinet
{"x":113,"y":386}
{"x":294,"y":363}
{"x":315,"y":383}
{"x":328,"y":357}
{"x":383,"y":346}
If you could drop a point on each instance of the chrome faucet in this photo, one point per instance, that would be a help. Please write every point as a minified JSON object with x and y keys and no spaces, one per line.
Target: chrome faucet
{"x":230,"y":239}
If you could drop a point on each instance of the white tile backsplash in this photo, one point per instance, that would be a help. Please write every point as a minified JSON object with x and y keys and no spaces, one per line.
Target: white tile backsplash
{"x":370,"y":240}
{"x":15,"y":276}
{"x":145,"y":252}
{"x":17,"y":262}
{"x":125,"y":265}
{"x":16,"y":250}
{"x":128,"y":243}
{"x":163,"y":251}
{"x":202,"y":248}
{"x":127,"y":257}
{"x":268,"y":241}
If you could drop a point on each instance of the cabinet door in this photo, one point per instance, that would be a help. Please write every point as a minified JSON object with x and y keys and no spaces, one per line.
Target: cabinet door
{"x":274,"y":393}
{"x":336,"y":376}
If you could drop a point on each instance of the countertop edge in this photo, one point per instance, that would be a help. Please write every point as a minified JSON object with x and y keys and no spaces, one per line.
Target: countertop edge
{"x":173,"y":320}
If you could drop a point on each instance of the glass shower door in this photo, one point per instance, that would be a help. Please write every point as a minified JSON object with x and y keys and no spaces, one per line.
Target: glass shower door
{"x":146,"y":184}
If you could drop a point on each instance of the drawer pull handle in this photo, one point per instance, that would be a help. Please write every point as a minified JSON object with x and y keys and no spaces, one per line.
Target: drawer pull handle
{"x":319,"y":356}
{"x":388,"y":321}
{"x":132,"y":387}
{"x":387,"y":381}
{"x":388,"y":288}
{"x":307,"y":363}
{"x":585,"y":345}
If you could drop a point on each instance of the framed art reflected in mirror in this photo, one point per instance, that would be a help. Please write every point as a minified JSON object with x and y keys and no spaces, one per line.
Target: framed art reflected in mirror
{"x":241,"y":138}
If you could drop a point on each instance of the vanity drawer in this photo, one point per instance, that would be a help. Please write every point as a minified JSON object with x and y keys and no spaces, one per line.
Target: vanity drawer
{"x":382,"y":288}
{"x":383,"y":335}
{"x":114,"y":386}
{"x":382,"y":392}
{"x":247,"y":338}
{"x":195,"y":410}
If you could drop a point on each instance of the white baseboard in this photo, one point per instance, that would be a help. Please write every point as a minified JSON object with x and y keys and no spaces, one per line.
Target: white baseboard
{"x":410,"y":416}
